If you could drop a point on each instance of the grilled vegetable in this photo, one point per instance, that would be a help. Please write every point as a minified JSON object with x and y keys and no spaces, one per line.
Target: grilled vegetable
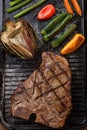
{"x":15,"y":2}
{"x":77,"y":7}
{"x":73,"y":44}
{"x":53,"y":23}
{"x":66,"y":34}
{"x":58,"y":28}
{"x":27,"y":10}
{"x":19,"y":38}
{"x":18,"y":6}
{"x":68,"y":7}
{"x":46,"y":12}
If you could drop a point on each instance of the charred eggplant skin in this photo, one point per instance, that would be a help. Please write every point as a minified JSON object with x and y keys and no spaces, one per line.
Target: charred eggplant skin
{"x":19,"y":38}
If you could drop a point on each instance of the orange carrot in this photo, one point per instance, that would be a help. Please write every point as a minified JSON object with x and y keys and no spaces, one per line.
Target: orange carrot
{"x":68,"y":7}
{"x":77,"y":7}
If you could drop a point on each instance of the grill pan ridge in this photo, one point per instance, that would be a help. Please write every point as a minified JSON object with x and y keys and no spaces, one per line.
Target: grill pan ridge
{"x":12,"y":72}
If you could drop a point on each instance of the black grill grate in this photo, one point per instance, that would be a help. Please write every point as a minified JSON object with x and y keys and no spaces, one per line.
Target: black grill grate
{"x":17,"y":70}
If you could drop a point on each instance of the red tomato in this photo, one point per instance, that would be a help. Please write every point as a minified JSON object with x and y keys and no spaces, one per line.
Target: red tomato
{"x":46,"y":12}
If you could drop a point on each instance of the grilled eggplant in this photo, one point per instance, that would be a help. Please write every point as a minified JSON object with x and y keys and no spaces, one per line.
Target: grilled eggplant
{"x":19,"y":38}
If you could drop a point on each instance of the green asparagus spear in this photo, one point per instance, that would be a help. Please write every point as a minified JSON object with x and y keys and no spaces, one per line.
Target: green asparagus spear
{"x":48,"y":36}
{"x":18,"y":6}
{"x":66,"y":34}
{"x":15,"y":2}
{"x":32,"y":7}
{"x":53,"y":23}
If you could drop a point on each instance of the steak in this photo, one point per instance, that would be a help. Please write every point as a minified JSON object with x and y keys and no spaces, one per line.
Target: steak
{"x":47,"y":93}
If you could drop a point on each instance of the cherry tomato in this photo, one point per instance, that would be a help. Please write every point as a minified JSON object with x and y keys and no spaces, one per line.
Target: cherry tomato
{"x":46,"y":12}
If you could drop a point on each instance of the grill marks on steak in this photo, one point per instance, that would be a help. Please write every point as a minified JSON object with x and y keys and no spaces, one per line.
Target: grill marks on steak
{"x":47,"y":92}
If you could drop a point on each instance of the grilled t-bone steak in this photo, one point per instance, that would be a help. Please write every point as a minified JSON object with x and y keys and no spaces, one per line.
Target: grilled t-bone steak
{"x":47,"y":92}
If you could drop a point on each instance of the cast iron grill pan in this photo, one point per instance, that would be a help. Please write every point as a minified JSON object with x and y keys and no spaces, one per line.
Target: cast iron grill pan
{"x":16,"y":70}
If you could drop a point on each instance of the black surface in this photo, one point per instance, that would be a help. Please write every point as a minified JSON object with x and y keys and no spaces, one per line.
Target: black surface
{"x":15,"y":70}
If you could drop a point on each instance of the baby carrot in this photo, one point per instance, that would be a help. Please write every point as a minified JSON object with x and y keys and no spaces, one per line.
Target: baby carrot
{"x":77,"y":7}
{"x":68,"y":7}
